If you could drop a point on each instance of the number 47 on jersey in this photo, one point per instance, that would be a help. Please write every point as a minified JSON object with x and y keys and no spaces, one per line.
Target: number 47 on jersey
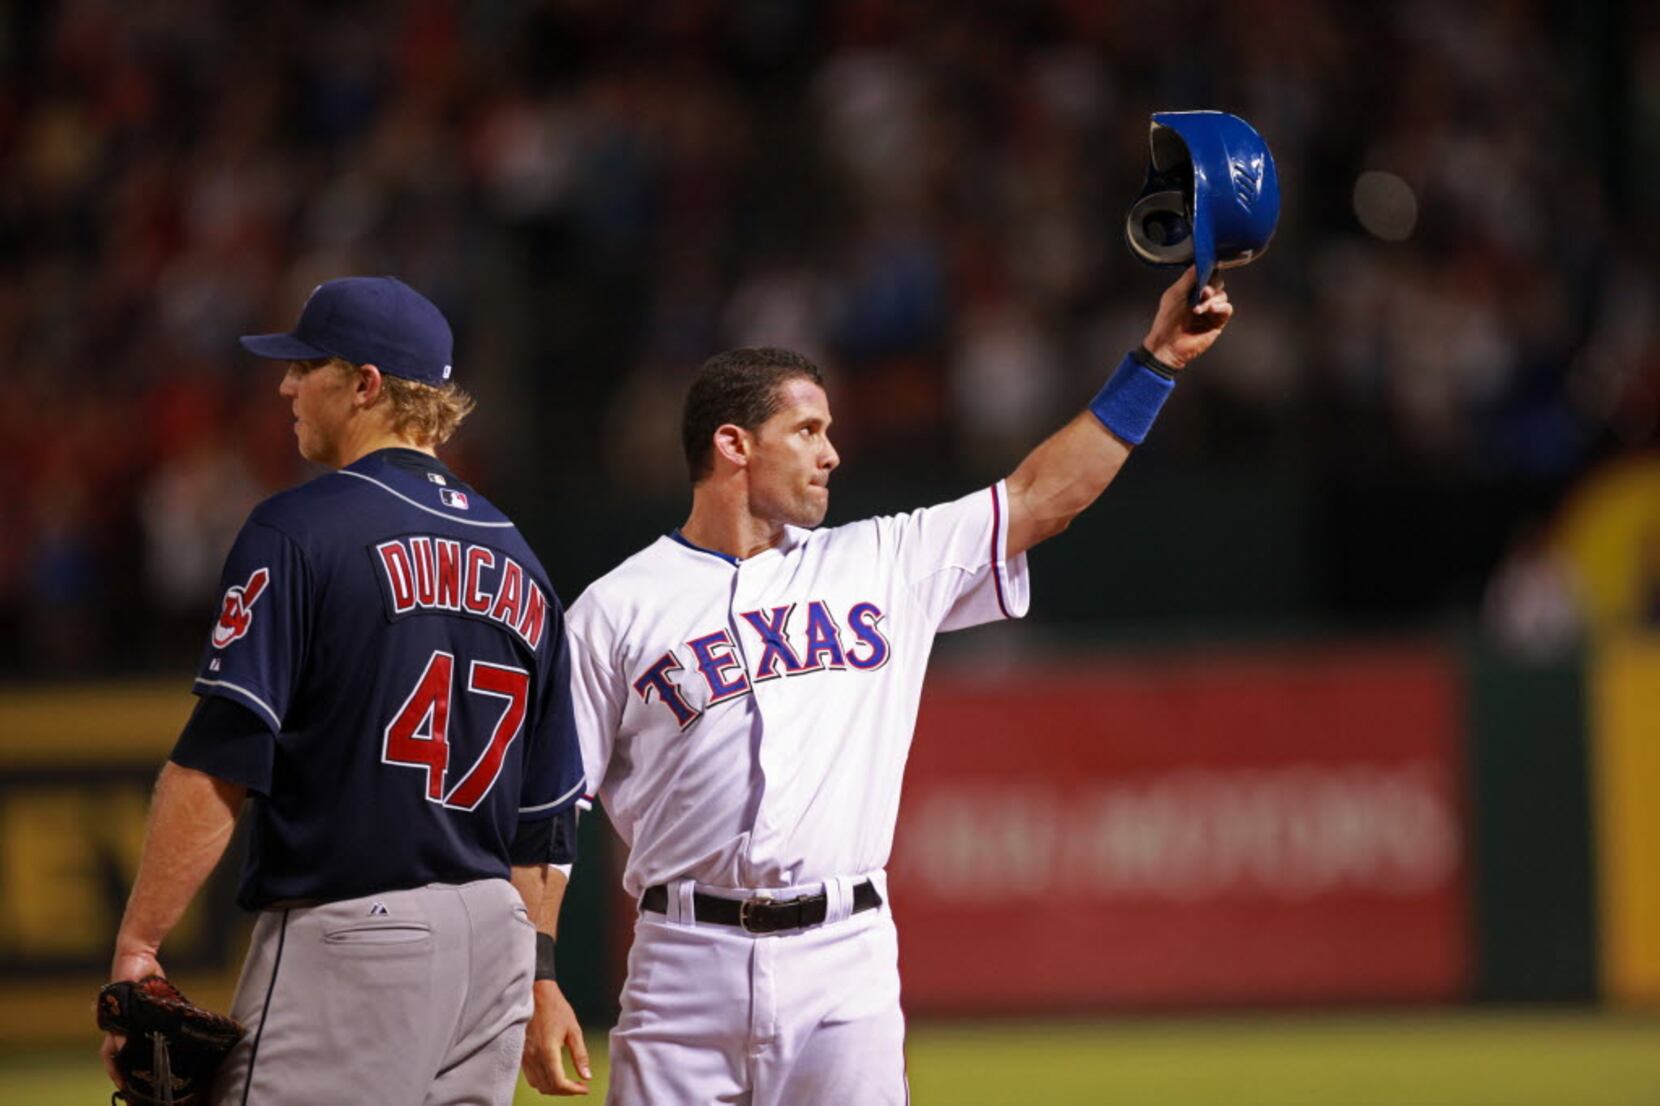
{"x":418,"y":735}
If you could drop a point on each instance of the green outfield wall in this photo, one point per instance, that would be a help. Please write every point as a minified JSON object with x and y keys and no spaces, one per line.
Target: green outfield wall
{"x":1530,"y":811}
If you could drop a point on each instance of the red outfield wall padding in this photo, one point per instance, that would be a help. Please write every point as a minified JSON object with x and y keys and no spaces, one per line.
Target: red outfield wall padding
{"x":1246,"y":828}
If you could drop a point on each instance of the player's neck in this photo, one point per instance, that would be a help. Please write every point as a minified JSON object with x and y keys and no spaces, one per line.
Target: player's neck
{"x":720,"y":520}
{"x":359,"y":442}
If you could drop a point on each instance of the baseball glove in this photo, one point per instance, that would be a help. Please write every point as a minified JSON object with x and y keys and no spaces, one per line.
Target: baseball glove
{"x":173,"y":1046}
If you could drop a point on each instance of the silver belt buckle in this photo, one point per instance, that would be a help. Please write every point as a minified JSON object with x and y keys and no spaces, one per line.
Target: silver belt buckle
{"x":749,"y":922}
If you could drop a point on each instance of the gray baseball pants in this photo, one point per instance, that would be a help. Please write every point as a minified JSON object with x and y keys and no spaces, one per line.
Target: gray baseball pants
{"x":406,"y":998}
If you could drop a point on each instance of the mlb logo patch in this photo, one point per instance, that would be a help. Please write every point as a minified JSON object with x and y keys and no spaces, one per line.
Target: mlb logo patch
{"x":453,"y":498}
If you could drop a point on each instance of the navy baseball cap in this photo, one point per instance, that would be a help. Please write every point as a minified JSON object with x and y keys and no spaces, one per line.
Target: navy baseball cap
{"x":379,"y":321}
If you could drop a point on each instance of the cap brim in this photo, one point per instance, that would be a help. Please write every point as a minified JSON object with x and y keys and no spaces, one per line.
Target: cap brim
{"x":281,"y":347}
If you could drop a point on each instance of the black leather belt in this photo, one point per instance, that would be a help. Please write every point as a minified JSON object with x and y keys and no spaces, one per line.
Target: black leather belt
{"x":761,"y":915}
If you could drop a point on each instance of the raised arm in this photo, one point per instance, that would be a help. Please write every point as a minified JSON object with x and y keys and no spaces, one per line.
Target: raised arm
{"x":1073,"y":466}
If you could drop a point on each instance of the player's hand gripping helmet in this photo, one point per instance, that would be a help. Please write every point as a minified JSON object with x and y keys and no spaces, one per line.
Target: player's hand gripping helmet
{"x":1212,"y":196}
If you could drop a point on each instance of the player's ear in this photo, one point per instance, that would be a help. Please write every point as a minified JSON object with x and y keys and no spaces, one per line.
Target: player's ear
{"x":732,"y":442}
{"x":369,"y":385}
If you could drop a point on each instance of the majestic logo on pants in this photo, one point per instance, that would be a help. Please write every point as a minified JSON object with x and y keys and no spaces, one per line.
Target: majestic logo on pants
{"x":236,"y":614}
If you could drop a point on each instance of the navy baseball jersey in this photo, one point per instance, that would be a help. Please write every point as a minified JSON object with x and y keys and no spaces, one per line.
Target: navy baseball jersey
{"x":407,"y":657}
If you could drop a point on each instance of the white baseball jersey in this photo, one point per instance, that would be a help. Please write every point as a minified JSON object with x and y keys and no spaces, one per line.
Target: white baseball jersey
{"x":746,"y":723}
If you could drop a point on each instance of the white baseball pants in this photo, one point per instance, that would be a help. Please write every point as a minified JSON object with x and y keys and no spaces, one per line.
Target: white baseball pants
{"x":713,"y":1014}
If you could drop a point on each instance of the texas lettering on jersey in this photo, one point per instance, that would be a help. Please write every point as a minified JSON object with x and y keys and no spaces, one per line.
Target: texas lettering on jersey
{"x":236,"y":613}
{"x":823,"y":646}
{"x":428,"y":573}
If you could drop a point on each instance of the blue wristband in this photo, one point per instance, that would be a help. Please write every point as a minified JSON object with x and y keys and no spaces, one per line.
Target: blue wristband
{"x":1130,"y":400}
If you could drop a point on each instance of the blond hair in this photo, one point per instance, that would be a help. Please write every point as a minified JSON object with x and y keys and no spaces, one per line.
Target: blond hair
{"x":421,"y":413}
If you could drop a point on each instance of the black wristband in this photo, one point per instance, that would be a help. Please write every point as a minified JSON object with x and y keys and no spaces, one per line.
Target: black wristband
{"x":1144,"y":357}
{"x":544,"y":956}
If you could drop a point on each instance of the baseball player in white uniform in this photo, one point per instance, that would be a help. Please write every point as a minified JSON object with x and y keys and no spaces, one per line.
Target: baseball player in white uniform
{"x":745,"y":691}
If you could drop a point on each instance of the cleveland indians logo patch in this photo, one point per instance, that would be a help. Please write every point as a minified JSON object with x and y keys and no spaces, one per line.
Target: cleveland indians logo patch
{"x":237,"y":612}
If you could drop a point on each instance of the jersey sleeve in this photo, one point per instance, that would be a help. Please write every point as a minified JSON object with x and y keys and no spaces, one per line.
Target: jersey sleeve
{"x":553,"y":763}
{"x":597,"y":691}
{"x":955,"y":559}
{"x":258,"y":640}
{"x":228,"y":741}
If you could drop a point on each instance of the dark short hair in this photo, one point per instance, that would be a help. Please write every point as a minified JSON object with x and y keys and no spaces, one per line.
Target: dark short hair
{"x":739,"y":387}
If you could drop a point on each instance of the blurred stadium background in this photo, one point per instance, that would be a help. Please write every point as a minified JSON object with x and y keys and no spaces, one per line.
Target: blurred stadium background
{"x":1327,"y":765}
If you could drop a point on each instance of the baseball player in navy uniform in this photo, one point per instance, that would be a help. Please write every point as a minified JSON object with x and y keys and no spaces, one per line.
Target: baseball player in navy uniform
{"x":746,"y":690}
{"x":385,"y":690}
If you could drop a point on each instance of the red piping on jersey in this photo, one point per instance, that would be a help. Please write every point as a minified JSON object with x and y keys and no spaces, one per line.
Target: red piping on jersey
{"x":997,"y":564}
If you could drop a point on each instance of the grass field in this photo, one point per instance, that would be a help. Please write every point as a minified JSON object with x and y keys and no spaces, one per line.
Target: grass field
{"x":1485,"y":1059}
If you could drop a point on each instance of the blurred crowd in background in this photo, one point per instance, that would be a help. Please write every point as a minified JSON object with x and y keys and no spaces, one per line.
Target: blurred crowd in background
{"x":926,"y":198}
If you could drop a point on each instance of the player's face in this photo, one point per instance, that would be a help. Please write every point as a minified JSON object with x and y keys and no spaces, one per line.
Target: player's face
{"x":789,"y":469}
{"x":321,"y":396}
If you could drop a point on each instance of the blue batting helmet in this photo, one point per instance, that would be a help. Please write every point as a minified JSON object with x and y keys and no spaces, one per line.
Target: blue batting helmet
{"x":1212,"y":196}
